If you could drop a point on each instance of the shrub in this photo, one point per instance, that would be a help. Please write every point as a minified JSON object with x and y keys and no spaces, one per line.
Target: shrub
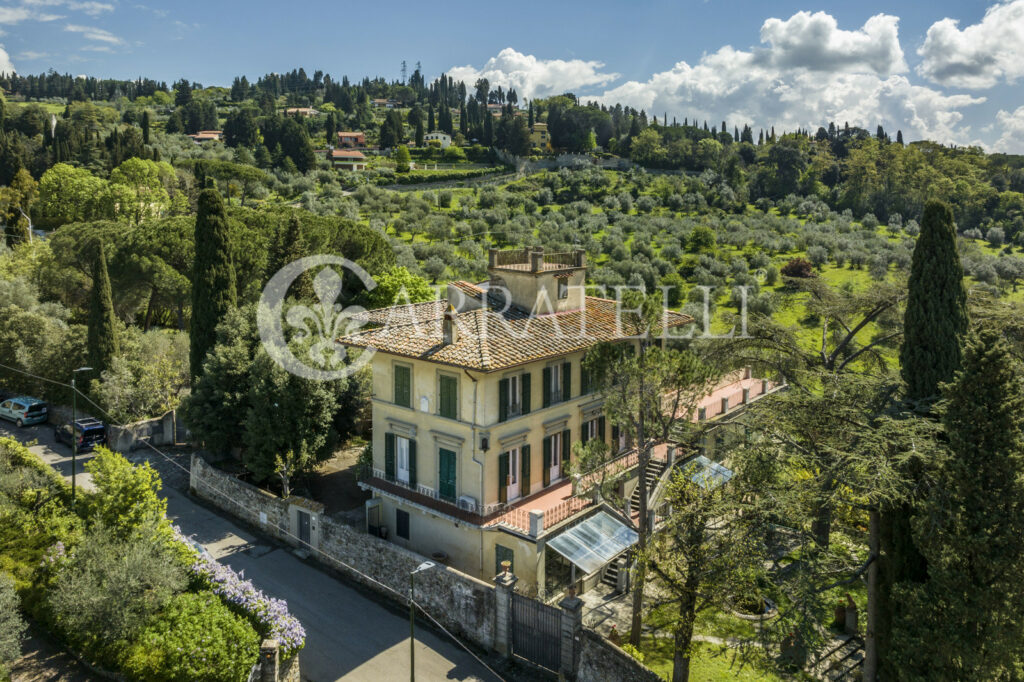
{"x":12,"y":627}
{"x":798,"y":267}
{"x":996,"y":236}
{"x":270,"y":616}
{"x":818,"y":255}
{"x":109,"y":587}
{"x":196,"y":637}
{"x":771,"y":275}
{"x":444,"y":198}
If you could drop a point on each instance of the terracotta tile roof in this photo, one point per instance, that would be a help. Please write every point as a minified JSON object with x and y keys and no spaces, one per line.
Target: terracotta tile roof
{"x":346,"y":154}
{"x":468,"y":288}
{"x":488,"y":340}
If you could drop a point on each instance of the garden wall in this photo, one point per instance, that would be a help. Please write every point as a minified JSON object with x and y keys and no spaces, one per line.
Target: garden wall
{"x":600,"y":660}
{"x":462,"y":604}
{"x":158,"y":431}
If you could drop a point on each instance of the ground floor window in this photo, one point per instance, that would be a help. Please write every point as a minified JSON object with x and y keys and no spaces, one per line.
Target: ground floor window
{"x":502,"y":553}
{"x":402,"y":524}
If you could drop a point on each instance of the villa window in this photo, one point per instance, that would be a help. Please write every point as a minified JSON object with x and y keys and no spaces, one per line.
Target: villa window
{"x":403,"y":385}
{"x":448,"y":396}
{"x":513,"y":396}
{"x":557,"y":383}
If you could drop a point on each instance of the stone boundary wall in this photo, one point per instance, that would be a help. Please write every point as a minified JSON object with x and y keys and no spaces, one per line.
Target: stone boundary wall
{"x":462,"y":604}
{"x":600,"y":660}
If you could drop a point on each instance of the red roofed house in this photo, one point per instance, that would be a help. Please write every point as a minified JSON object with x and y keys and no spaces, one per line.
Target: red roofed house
{"x":346,"y":159}
{"x":207,"y":136}
{"x":351,"y":139}
{"x":477,"y":401}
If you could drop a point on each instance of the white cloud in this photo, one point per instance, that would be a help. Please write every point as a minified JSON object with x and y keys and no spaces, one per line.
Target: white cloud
{"x":815,"y":42}
{"x":14,"y":15}
{"x":90,"y":7}
{"x":6,"y":65}
{"x":1012,"y":126}
{"x":29,"y":55}
{"x":807,"y":73}
{"x":533,"y":77}
{"x":93,"y":33}
{"x":980,"y":55}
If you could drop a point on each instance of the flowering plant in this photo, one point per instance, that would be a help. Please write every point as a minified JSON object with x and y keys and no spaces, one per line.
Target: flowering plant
{"x":270,"y":615}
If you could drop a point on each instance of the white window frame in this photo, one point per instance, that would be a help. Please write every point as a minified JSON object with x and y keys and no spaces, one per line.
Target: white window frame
{"x":592,"y":426}
{"x":515,"y":395}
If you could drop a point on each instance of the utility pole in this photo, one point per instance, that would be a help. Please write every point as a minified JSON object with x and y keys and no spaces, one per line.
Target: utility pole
{"x":412,"y":617}
{"x":74,"y":425}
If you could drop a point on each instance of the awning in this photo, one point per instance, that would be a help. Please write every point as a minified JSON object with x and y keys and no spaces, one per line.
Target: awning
{"x":594,"y":542}
{"x":707,"y":474}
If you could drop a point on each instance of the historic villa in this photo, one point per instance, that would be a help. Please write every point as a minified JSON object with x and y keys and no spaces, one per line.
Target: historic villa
{"x":477,"y":401}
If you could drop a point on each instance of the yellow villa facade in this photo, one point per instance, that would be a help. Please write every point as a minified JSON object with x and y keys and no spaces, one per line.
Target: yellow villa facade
{"x":477,"y":402}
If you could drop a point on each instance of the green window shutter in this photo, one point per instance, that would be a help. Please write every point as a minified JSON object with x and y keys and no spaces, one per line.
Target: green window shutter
{"x":503,"y":554}
{"x":584,"y":380}
{"x":567,"y":381}
{"x":546,"y":470}
{"x":503,"y":400}
{"x":524,"y":382}
{"x":503,"y":477}
{"x":524,"y":471}
{"x":389,"y":456}
{"x":583,"y":433}
{"x":546,"y":386}
{"x":403,"y":386}
{"x":446,"y":474}
{"x":615,"y":438}
{"x":412,"y":464}
{"x":449,"y":399}
{"x":566,"y":451}
{"x":601,"y":433}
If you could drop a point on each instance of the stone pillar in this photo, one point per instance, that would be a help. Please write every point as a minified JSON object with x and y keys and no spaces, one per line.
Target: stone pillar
{"x":536,"y":522}
{"x":670,"y":456}
{"x":541,"y":570}
{"x":504,"y":582}
{"x":537,"y":259}
{"x":572,"y":622}
{"x":270,"y":661}
{"x":746,"y":396}
{"x":492,"y":257}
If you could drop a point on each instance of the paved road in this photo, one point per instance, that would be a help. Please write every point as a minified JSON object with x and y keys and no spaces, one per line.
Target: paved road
{"x":348,"y":636}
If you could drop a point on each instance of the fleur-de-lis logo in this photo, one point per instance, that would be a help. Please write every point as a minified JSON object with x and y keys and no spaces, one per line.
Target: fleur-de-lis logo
{"x":314,"y":328}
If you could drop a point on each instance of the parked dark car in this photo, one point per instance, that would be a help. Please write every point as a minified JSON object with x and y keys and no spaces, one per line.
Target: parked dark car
{"x":88,"y":432}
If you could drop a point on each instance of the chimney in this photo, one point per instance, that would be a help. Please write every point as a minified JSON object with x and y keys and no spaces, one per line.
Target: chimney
{"x":537,"y":259}
{"x":448,"y":327}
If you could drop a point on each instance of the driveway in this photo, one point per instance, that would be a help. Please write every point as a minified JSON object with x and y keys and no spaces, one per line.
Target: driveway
{"x":349,"y":636}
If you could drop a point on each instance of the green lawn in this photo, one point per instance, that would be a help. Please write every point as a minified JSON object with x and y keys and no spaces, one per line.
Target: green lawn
{"x":708,"y":664}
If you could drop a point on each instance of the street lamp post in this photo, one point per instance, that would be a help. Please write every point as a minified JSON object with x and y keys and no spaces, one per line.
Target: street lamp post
{"x":74,"y":421}
{"x":426,"y":565}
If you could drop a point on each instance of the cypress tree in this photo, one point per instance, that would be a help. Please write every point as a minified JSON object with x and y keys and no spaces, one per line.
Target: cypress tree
{"x":430,"y":119}
{"x":419,"y":131}
{"x":102,"y":333}
{"x":213,"y":277}
{"x":971,"y":529}
{"x":934,"y":328}
{"x":145,"y":126}
{"x":935,"y":323}
{"x":289,"y":247}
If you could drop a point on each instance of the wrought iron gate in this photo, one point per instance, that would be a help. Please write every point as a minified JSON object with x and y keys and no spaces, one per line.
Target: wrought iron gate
{"x":536,"y":632}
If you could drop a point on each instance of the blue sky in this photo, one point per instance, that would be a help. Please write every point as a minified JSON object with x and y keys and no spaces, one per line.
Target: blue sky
{"x":943,"y":70}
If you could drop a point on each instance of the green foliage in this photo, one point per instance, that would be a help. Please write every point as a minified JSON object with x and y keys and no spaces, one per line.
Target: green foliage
{"x":936,"y":319}
{"x":147,"y":379}
{"x":103,"y":345}
{"x":213,"y":279}
{"x":970,"y":530}
{"x":398,"y":286}
{"x":195,"y":637}
{"x":110,"y":586}
{"x":12,"y":627}
{"x":402,"y":159}
{"x":126,"y":496}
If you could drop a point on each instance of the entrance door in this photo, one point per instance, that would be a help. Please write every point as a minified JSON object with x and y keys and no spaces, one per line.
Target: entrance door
{"x":303,"y":526}
{"x":446,"y":475}
{"x":402,"y":459}
{"x":513,"y":474}
{"x":555,"y":471}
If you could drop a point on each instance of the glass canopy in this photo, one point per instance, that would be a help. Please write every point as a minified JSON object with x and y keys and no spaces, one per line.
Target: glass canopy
{"x":594,"y":542}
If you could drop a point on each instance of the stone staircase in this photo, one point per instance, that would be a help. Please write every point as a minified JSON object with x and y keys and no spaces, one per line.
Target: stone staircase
{"x":611,"y":575}
{"x":842,"y":663}
{"x":655,"y":469}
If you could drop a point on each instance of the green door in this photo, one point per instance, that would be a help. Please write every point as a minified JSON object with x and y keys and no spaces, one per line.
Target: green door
{"x":446,"y":475}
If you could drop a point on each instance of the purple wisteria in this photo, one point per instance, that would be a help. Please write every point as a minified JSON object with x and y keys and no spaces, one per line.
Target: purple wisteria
{"x":270,"y":614}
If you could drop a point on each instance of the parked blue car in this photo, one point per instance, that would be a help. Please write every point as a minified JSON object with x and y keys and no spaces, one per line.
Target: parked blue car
{"x":88,"y":432}
{"x":24,"y":411}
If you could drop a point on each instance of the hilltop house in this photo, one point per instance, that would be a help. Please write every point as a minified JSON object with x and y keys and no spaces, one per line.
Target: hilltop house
{"x":443,"y":138}
{"x":539,"y":135}
{"x":207,"y":136}
{"x":477,"y":400}
{"x":346,"y":159}
{"x":306,"y":112}
{"x":351,"y":139}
